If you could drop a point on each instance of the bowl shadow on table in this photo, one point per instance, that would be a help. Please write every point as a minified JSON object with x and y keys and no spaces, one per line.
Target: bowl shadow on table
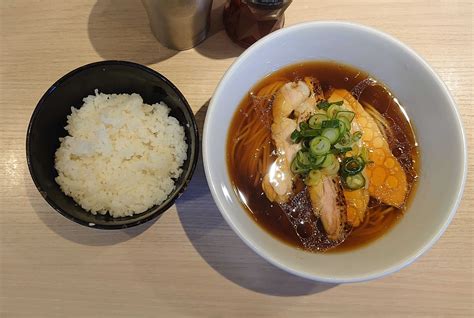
{"x":223,"y":250}
{"x":72,"y":231}
{"x":119,"y":30}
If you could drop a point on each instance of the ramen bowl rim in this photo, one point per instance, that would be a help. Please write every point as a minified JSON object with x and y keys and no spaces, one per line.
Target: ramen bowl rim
{"x":215,"y":184}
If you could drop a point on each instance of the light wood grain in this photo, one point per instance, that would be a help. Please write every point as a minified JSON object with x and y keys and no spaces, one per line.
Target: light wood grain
{"x":189,"y":262}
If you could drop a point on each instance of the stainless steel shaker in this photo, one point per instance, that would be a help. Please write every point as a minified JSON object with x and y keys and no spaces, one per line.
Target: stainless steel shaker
{"x":179,"y":24}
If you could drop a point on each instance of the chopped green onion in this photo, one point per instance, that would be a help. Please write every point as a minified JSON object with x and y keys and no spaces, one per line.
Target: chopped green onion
{"x":304,"y":126}
{"x":332,"y":134}
{"x":303,"y":159}
{"x":344,"y":141}
{"x":296,"y":168}
{"x":361,"y":161}
{"x":352,"y":166}
{"x":320,"y":111}
{"x":305,"y":143}
{"x":355,"y":149}
{"x":330,"y":158}
{"x":295,"y":136}
{"x":325,"y":138}
{"x":364,"y":154}
{"x":354,"y":182}
{"x":345,"y":114}
{"x":325,"y":104}
{"x":333,"y":110}
{"x":317,"y":161}
{"x":345,"y":125}
{"x":310,"y":132}
{"x":342,"y":145}
{"x":356,"y":136}
{"x":316,"y":120}
{"x":313,"y":178}
{"x":331,"y":123}
{"x":332,"y":169}
{"x":319,"y":145}
{"x":338,"y":149}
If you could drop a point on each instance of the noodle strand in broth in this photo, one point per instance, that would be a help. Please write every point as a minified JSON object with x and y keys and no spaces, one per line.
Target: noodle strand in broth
{"x":253,"y":136}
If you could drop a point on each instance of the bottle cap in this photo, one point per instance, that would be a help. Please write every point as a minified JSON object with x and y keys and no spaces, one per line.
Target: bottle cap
{"x":267,"y":4}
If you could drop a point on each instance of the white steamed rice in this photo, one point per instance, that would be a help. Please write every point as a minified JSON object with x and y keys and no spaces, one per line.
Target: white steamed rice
{"x":121,"y":155}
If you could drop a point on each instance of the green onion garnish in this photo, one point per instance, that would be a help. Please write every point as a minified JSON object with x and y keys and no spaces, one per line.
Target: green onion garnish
{"x":324,"y":105}
{"x":325,"y":139}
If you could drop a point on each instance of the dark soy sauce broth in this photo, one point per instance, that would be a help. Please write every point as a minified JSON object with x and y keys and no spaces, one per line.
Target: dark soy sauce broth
{"x":330,"y":74}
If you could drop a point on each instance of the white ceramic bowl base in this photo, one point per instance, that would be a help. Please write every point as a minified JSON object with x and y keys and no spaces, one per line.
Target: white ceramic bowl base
{"x":429,"y":106}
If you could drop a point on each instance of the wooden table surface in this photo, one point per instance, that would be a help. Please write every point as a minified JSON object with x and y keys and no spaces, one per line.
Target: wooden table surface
{"x":189,"y":262}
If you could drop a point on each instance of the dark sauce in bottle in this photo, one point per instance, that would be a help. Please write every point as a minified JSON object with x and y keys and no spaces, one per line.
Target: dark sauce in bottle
{"x":247,"y":21}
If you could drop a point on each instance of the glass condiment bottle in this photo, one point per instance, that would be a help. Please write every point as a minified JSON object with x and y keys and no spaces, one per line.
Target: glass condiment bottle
{"x":247,"y":21}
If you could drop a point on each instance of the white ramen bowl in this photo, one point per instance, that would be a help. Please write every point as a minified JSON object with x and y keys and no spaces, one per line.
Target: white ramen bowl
{"x":427,"y":103}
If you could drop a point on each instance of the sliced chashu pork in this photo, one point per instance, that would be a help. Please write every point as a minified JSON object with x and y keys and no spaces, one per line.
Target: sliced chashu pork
{"x":388,"y":182}
{"x":328,"y":202}
{"x":356,"y":200}
{"x":278,"y":182}
{"x":327,"y":198}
